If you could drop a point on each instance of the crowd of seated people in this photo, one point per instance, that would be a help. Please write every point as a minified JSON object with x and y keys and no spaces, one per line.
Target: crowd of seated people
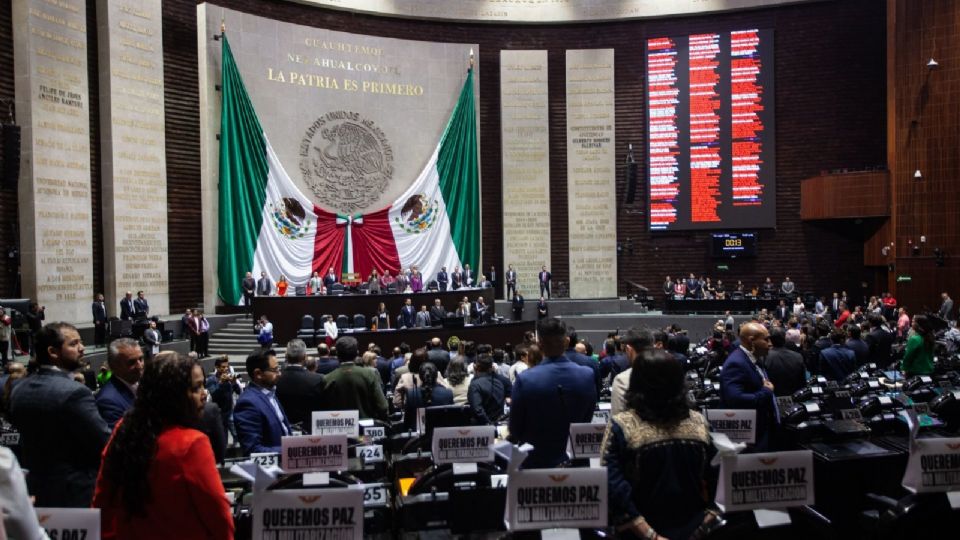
{"x":156,"y":428}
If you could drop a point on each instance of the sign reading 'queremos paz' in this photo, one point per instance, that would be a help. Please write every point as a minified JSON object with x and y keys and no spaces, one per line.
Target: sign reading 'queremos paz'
{"x":308,"y":513}
{"x":463,"y":444}
{"x":557,"y":498}
{"x":934,"y":465}
{"x":772,"y":480}
{"x":336,"y":423}
{"x":309,"y":453}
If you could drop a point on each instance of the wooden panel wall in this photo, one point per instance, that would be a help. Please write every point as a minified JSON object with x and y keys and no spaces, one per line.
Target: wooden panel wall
{"x":924,"y":119}
{"x":845,"y":195}
{"x":830,"y":99}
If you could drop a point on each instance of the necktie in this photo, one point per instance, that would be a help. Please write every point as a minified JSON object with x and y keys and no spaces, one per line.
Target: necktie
{"x":776,"y":406}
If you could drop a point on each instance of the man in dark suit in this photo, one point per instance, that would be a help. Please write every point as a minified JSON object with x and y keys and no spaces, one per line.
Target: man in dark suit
{"x":99,"y":309}
{"x":837,"y":361}
{"x":782,"y":312}
{"x":835,"y":305}
{"x":249,"y":286}
{"x":946,"y":308}
{"x":517,"y":305}
{"x":353,"y":387}
{"x":61,"y":433}
{"x":141,"y":308}
{"x":744,"y":385}
{"x":125,"y":358}
{"x":693,"y":287}
{"x":329,"y":280}
{"x":456,"y":279}
{"x":408,"y":315}
{"x":258,"y":415}
{"x":582,"y":359}
{"x":127,"y":308}
{"x":438,"y":355}
{"x":299,"y":391}
{"x":383,"y":366}
{"x":547,"y":399}
{"x":468,"y":277}
{"x":264,"y":285}
{"x":614,"y":360}
{"x":542,"y":308}
{"x":880,"y":339}
{"x":325,"y":362}
{"x":437,"y":313}
{"x":492,"y":278}
{"x":511,"y":281}
{"x":545,"y":278}
{"x":443,"y":279}
{"x":859,"y":347}
{"x":784,"y":367}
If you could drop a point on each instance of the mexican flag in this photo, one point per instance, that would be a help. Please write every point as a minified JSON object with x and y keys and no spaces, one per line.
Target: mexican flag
{"x":266,"y":224}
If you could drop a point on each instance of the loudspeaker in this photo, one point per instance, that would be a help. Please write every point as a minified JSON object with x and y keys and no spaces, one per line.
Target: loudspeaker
{"x":11,"y":154}
{"x":631,"y":176}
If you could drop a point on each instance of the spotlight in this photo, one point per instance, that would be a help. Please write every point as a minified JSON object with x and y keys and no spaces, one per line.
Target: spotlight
{"x":932,"y":63}
{"x":917,"y":174}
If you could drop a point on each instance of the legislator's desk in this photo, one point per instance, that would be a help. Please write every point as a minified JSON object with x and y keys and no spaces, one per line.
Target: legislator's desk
{"x":495,"y":335}
{"x":746,"y":305}
{"x":285,"y":312}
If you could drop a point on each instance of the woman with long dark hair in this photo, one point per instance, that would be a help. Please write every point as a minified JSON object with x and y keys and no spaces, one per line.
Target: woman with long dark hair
{"x":458,"y":377}
{"x":158,"y":478}
{"x":428,"y":393}
{"x":918,"y":356}
{"x":657,"y":452}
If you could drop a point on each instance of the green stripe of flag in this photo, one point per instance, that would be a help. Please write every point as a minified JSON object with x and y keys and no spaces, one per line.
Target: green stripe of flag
{"x":243,"y":181}
{"x":457,"y":166}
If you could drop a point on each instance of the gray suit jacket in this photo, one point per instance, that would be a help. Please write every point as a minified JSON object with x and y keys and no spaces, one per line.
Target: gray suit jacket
{"x":946,"y":309}
{"x":62,"y":436}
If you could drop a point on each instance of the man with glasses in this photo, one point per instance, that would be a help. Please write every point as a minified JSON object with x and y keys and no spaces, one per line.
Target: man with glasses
{"x":125,"y":358}
{"x":258,"y":416}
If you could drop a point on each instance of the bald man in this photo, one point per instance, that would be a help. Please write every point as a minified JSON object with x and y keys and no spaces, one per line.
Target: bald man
{"x":744,"y":385}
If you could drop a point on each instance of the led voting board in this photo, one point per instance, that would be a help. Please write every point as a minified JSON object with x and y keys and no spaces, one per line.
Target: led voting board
{"x":710,"y":131}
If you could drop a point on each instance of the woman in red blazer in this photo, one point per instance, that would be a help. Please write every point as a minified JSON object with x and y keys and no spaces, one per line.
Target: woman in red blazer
{"x":158,"y":478}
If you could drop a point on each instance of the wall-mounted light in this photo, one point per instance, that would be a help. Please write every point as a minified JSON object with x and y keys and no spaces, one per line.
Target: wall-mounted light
{"x":917,"y":174}
{"x":932,"y":63}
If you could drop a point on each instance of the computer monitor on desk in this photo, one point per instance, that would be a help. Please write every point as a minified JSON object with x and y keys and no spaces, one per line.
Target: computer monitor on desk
{"x":445,"y":416}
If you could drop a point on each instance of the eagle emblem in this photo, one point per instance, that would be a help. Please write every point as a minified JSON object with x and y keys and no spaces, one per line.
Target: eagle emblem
{"x":418,"y":214}
{"x":346,"y":161}
{"x":289,"y":218}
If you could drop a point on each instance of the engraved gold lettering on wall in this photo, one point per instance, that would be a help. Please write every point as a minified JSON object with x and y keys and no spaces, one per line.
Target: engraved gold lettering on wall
{"x":591,"y":186}
{"x":134,"y":159}
{"x":526,"y":165}
{"x":50,"y":56}
{"x":403,"y":90}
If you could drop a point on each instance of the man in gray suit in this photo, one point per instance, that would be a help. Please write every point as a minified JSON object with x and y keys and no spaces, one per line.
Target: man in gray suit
{"x":61,"y":432}
{"x":946,"y":308}
{"x":423,"y":317}
{"x":264,"y":285}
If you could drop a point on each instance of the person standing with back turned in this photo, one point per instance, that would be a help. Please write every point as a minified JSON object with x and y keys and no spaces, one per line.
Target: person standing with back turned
{"x":548,"y":398}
